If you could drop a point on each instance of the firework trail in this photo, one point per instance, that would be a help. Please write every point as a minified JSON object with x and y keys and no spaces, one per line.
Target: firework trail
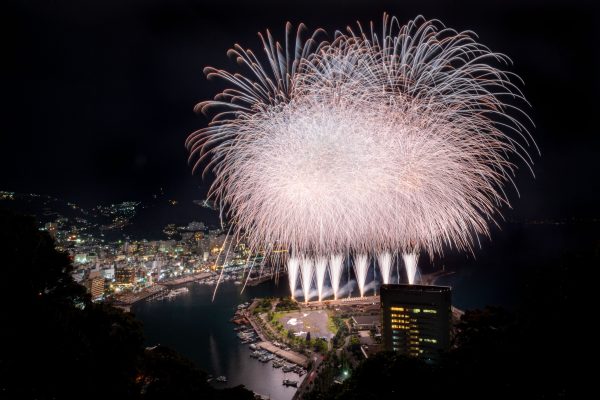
{"x":320,"y":270}
{"x":375,"y":143}
{"x":336,"y":263}
{"x":385,"y":266}
{"x":410,"y":264}
{"x":306,"y":271}
{"x":293,"y":267}
{"x":361,"y":267}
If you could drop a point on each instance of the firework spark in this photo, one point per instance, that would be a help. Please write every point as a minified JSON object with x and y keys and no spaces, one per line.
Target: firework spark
{"x":292,"y":266}
{"x":306,"y":272}
{"x":361,"y":267}
{"x":320,"y":270}
{"x":385,"y":266}
{"x":369,"y":145}
{"x":410,"y":265}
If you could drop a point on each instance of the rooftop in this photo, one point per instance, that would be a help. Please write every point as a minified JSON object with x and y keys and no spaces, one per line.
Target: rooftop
{"x":415,"y":288}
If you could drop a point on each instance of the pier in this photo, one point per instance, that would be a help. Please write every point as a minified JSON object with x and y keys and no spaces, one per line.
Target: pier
{"x":286,"y":354}
{"x":128,"y":299}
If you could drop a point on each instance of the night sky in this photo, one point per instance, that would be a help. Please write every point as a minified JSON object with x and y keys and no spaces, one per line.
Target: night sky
{"x":99,"y":95}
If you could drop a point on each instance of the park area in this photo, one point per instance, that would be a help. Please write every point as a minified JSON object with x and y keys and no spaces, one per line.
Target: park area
{"x":317,"y":322}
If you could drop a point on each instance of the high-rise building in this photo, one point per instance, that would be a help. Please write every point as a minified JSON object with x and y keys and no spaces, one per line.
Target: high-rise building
{"x":96,"y":287}
{"x":125,"y":275}
{"x":416,"y":319}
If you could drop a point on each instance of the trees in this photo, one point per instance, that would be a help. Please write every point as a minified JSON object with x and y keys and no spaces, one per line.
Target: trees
{"x":320,"y":345}
{"x":286,"y":304}
{"x":57,"y":342}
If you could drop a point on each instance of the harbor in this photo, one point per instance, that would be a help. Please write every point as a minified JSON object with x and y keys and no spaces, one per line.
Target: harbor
{"x":266,"y":351}
{"x":194,"y":318}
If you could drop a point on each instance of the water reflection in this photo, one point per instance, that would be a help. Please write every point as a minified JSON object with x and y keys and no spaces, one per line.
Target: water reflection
{"x":201,"y":330}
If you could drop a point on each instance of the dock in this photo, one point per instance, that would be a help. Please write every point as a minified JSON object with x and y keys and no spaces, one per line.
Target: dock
{"x":126,"y":300}
{"x":256,"y":328}
{"x":288,"y":355}
{"x":258,"y":281}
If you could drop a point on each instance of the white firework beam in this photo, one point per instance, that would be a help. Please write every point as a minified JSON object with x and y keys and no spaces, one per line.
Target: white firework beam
{"x":293,"y":265}
{"x":410,"y":264}
{"x":320,"y":270}
{"x":384,"y":260}
{"x":306,"y":273}
{"x":361,"y":267}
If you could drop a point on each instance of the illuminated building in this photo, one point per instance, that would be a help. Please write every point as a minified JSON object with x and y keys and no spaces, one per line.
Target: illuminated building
{"x":96,"y":287}
{"x":125,"y":275}
{"x":51,"y":227}
{"x":416,"y":319}
{"x":81,"y":258}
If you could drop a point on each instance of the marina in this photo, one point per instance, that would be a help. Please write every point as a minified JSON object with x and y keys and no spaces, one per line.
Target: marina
{"x":265,"y":352}
{"x":194,"y":318}
{"x":169,"y":294}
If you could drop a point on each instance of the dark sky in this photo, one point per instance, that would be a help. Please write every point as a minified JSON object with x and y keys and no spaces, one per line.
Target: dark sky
{"x":98,"y":94}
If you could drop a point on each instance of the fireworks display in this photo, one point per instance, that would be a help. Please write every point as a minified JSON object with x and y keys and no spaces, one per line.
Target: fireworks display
{"x":364,"y":147}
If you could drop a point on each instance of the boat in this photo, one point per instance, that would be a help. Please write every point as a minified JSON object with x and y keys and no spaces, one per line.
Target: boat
{"x":253,"y":347}
{"x":256,"y":354}
{"x":221,"y":378}
{"x":266,"y":358}
{"x":287,"y":368}
{"x":277,"y":364}
{"x":245,"y":335}
{"x":172,"y":293}
{"x":288,"y":382}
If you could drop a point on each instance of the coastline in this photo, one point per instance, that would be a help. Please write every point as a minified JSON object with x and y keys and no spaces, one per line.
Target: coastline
{"x":126,"y":300}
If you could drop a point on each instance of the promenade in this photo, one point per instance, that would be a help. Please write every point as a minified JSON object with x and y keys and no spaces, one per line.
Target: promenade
{"x":127,"y":299}
{"x":188,"y":278}
{"x":344,"y":301}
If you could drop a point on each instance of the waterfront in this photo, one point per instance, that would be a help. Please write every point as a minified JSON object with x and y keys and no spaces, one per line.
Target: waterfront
{"x":201,"y":330}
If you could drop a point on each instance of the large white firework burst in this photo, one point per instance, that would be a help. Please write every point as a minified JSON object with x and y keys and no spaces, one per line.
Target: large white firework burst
{"x":375,"y":143}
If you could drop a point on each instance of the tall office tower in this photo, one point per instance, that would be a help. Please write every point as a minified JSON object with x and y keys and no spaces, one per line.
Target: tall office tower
{"x":416,"y":319}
